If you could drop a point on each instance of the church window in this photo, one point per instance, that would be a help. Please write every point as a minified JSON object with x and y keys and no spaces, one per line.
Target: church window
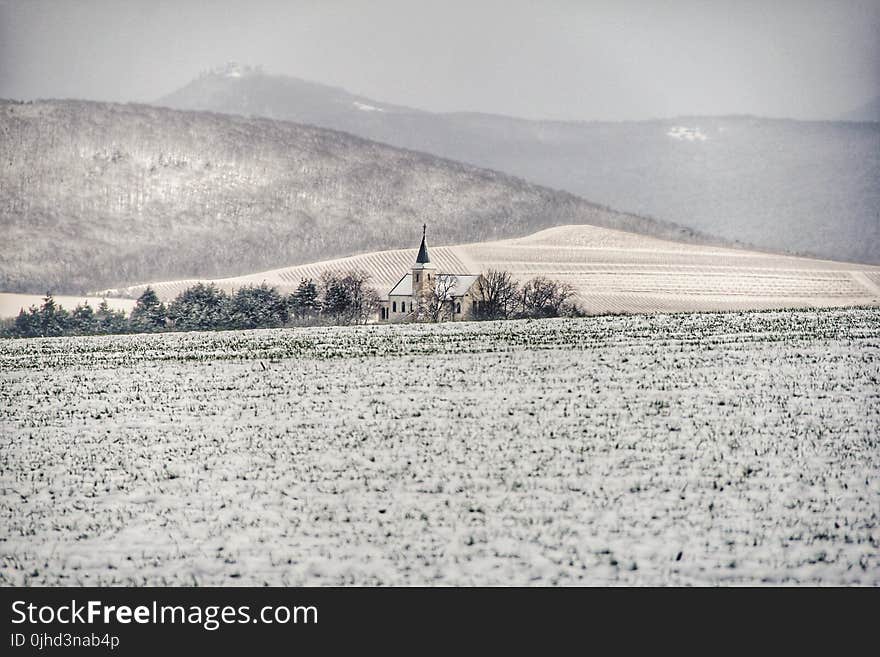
{"x":458,"y":308}
{"x":417,"y":278}
{"x":394,"y":306}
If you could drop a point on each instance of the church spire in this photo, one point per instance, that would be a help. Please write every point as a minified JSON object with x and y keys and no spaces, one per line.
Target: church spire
{"x":423,"y":249}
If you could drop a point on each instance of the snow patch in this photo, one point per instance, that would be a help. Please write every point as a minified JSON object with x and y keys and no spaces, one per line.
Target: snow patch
{"x":686,"y":134}
{"x":233,"y":70}
{"x":367,"y":108}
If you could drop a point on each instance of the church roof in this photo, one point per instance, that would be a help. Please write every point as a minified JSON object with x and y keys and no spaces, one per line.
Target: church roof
{"x":456,"y":285}
{"x":423,"y":258}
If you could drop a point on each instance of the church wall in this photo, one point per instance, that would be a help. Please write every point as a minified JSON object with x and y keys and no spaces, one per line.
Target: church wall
{"x":399,"y":308}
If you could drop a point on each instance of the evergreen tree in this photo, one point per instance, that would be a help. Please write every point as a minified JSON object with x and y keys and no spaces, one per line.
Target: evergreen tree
{"x":257,"y":307}
{"x":337,"y":301}
{"x":149,"y":314}
{"x":27,"y":324}
{"x":82,"y":320}
{"x":109,"y":322}
{"x":304,"y":302}
{"x":53,"y":318}
{"x":200,"y":308}
{"x":7,"y":328}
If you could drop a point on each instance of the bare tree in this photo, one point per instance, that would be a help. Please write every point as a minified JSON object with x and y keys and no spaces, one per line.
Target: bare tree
{"x":497,"y":295}
{"x":438,"y":304}
{"x":542,"y":297}
{"x":348,"y":298}
{"x":364,"y":299}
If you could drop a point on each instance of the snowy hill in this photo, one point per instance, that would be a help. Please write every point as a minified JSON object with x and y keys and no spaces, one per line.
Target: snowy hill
{"x":94,"y":195}
{"x":612,"y":271}
{"x":799,"y":186}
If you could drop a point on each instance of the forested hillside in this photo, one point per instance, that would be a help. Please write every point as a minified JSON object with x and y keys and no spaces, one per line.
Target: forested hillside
{"x":97,"y":195}
{"x":810,"y":187}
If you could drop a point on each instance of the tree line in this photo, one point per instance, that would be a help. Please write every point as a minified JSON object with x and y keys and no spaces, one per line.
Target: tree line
{"x":340,"y":299}
{"x":335,"y":299}
{"x":499,"y":296}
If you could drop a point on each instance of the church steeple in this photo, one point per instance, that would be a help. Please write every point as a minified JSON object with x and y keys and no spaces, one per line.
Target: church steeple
{"x":423,"y":276}
{"x":423,"y":258}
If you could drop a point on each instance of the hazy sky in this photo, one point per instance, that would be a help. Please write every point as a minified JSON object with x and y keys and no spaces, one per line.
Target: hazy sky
{"x":559,"y":59}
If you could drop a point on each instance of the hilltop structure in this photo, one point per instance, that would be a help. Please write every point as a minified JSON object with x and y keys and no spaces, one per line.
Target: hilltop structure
{"x":426,"y":295}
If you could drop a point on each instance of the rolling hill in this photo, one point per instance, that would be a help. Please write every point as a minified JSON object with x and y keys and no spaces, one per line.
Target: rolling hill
{"x":612,"y":271}
{"x":94,"y":195}
{"x":808,"y":187}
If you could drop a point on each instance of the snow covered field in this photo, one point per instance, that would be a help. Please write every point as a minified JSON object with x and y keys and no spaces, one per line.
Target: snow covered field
{"x":612,"y":271}
{"x":739,"y":448}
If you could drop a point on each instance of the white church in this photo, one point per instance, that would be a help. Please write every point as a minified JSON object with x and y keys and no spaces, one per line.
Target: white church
{"x":424,"y":294}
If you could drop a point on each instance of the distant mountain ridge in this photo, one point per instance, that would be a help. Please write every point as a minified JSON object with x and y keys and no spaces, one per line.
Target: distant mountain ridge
{"x":808,"y":187}
{"x":98,"y":195}
{"x":870,"y":111}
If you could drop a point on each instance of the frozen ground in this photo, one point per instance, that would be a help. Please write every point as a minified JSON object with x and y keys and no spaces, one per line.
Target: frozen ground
{"x":667,"y":449}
